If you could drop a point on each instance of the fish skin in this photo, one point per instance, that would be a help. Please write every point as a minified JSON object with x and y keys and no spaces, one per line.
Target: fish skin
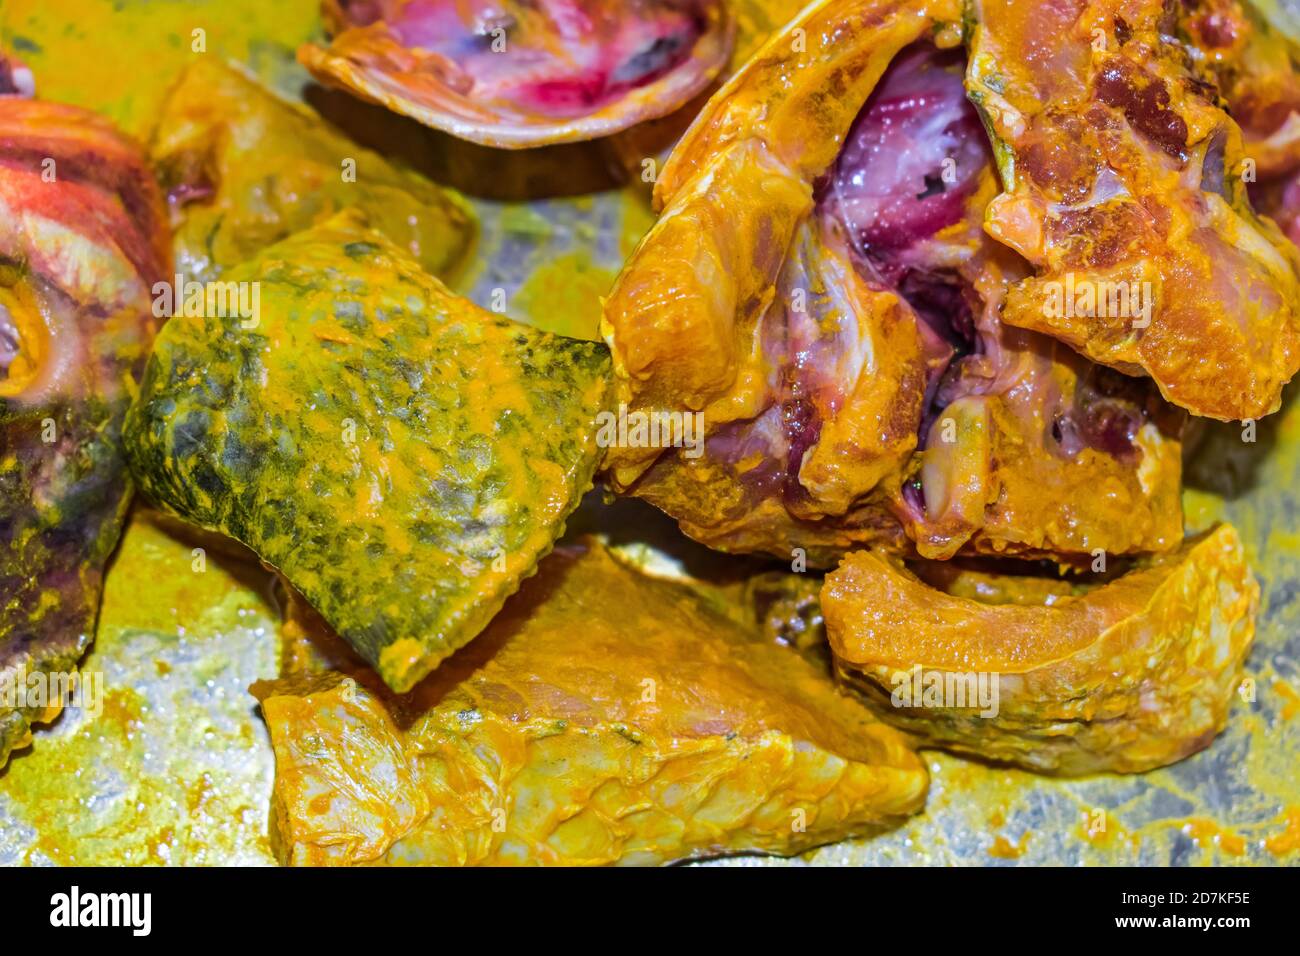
{"x":401,"y":456}
{"x":82,"y":241}
{"x":1134,"y":674}
{"x":682,"y":732}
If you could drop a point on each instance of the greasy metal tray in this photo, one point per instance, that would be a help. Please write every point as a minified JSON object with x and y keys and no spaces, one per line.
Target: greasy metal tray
{"x":177,"y":767}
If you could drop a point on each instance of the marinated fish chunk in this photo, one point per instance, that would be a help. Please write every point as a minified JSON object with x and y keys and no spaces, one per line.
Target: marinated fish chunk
{"x":401,"y":456}
{"x":604,"y":717}
{"x":243,"y":169}
{"x":1134,"y":674}
{"x":819,"y":293}
{"x":1124,"y":189}
{"x":518,"y":74}
{"x":82,"y":241}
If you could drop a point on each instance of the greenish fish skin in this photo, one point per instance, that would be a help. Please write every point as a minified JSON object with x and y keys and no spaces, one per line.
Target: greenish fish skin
{"x":403,"y":457}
